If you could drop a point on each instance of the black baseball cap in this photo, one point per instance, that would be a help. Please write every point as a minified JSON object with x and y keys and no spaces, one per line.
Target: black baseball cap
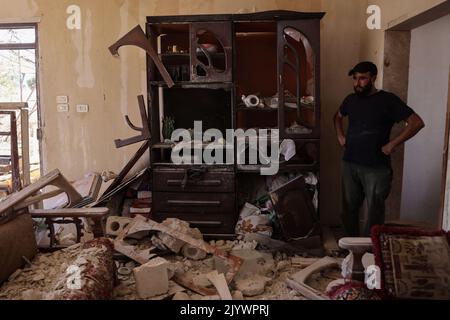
{"x":363,"y":67}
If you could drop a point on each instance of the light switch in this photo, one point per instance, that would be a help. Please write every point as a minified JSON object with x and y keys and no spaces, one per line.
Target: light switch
{"x":63,"y":108}
{"x":62,"y":99}
{"x":82,"y":108}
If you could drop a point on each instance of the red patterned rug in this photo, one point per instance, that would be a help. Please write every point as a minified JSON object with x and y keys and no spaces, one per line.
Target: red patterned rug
{"x":414,"y":264}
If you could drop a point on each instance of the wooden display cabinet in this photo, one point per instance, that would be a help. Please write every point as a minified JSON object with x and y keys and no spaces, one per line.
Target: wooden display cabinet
{"x":214,"y":60}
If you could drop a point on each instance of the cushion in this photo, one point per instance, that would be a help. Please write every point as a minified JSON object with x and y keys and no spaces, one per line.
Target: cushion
{"x":414,"y":264}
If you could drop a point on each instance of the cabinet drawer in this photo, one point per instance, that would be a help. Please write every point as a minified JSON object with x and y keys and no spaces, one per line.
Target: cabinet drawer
{"x":200,"y":203}
{"x":212,"y":223}
{"x":172,"y":180}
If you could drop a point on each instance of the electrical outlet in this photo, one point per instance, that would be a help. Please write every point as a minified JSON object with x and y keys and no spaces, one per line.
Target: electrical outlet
{"x":63,"y":108}
{"x":62,"y":99}
{"x":83,"y":108}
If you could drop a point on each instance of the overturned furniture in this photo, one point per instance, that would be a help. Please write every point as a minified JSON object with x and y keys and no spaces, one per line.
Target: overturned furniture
{"x":16,"y":219}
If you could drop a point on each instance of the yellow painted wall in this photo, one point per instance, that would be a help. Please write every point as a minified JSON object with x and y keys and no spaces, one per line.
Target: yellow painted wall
{"x":393,"y":12}
{"x":78,"y":64}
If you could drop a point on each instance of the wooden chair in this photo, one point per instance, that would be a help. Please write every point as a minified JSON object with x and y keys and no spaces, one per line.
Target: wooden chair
{"x":19,"y":202}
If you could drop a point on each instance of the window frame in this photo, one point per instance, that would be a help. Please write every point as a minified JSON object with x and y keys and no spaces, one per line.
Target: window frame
{"x":29,"y":46}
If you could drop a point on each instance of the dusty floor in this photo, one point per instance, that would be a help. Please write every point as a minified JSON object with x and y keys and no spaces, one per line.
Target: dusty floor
{"x":41,"y":279}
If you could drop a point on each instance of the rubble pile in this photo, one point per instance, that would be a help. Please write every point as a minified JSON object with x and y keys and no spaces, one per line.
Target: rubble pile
{"x":174,"y":262}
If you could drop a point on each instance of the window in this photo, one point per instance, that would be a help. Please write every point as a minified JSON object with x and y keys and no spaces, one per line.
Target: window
{"x":19,"y":83}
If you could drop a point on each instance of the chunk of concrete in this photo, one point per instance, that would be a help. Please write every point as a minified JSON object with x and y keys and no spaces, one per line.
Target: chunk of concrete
{"x":152,"y":278}
{"x":173,"y":244}
{"x":254,"y":262}
{"x":115,"y":225}
{"x":201,"y":280}
{"x":193,"y":253}
{"x":252,"y":285}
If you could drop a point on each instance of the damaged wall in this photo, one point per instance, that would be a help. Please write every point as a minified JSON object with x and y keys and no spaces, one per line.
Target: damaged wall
{"x":78,"y":64}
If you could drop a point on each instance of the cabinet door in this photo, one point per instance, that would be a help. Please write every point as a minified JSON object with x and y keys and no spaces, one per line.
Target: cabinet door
{"x":298,"y":78}
{"x":211,"y":52}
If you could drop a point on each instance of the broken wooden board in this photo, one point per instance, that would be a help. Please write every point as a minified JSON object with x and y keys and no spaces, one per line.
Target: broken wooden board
{"x":219,"y":282}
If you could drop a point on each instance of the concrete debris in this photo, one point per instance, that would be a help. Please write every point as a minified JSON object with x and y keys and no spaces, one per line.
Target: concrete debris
{"x":152,"y":278}
{"x":193,"y":253}
{"x":252,"y":285}
{"x":245,"y":245}
{"x":115,"y":225}
{"x":254,"y":262}
{"x":303,"y":262}
{"x":32,"y":294}
{"x":282,"y":265}
{"x":181,"y":296}
{"x":191,"y":269}
{"x":173,"y":244}
{"x":237,"y":295}
{"x":201,"y":280}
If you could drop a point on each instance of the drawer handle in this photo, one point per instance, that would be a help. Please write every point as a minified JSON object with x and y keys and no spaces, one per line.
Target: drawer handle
{"x":209,"y":183}
{"x":193,"y":203}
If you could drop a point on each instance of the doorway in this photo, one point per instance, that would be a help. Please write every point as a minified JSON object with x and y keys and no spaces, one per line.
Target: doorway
{"x":427,"y":95}
{"x":19,"y":85}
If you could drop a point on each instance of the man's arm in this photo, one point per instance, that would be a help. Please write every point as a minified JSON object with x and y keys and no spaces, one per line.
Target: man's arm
{"x":339,"y":127}
{"x":414,"y":125}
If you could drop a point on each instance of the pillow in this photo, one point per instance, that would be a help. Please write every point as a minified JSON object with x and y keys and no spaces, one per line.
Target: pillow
{"x":414,"y":264}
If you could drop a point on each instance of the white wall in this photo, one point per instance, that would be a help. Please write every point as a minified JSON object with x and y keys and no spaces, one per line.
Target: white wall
{"x":427,"y":95}
{"x":446,"y":220}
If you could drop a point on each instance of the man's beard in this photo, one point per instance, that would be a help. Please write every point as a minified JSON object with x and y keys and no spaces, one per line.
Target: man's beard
{"x":363,"y":91}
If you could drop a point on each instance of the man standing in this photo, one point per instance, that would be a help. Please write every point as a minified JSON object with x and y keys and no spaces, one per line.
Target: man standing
{"x":366,"y":166}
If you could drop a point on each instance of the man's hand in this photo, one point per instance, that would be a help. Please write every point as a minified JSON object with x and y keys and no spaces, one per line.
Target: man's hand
{"x":338,"y":125}
{"x":341,"y":140}
{"x":388,"y":148}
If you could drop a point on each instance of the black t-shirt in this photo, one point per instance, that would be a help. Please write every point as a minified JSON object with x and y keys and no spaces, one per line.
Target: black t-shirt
{"x":370,"y":122}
